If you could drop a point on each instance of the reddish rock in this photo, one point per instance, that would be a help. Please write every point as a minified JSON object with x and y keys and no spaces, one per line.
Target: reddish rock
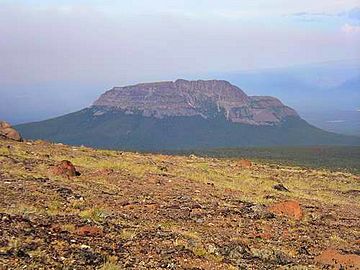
{"x":4,"y":124}
{"x":89,"y":231}
{"x":245,"y":163}
{"x":265,"y":232}
{"x":105,"y":171}
{"x":65,"y":168}
{"x":332,"y":258}
{"x":290,"y":209}
{"x":262,"y":235}
{"x":57,"y":228}
{"x":8,"y":132}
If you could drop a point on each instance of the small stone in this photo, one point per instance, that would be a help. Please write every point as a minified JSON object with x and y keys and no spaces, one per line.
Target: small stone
{"x":280,"y":187}
{"x":303,"y":251}
{"x":89,"y":231}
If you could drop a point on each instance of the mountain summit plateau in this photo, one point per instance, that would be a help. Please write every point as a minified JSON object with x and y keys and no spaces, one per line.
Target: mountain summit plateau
{"x":195,"y":98}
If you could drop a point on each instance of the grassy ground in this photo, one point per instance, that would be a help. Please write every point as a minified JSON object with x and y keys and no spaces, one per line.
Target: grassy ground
{"x":335,"y":158}
{"x":154,"y":211}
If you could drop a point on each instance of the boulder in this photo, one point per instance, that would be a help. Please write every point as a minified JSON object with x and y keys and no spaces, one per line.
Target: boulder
{"x":4,"y":124}
{"x":332,"y":258}
{"x":8,"y":132}
{"x":64,"y":168}
{"x":291,"y":209}
{"x":244,"y":163}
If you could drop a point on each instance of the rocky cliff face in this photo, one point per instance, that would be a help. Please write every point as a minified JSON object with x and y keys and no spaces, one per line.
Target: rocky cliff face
{"x":195,"y":98}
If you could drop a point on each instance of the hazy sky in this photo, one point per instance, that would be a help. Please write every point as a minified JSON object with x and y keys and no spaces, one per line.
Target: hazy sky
{"x":109,"y":43}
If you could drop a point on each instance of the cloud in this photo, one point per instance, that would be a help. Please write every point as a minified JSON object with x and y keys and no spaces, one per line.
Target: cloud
{"x":354,"y":14}
{"x":315,"y":14}
{"x":335,"y":121}
{"x":347,"y":21}
{"x":66,"y":52}
{"x":351,"y":14}
{"x":84,"y":44}
{"x":348,"y":28}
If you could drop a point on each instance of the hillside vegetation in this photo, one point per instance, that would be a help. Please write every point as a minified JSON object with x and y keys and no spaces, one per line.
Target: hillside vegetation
{"x":335,"y":158}
{"x":118,"y":130}
{"x":127,"y":210}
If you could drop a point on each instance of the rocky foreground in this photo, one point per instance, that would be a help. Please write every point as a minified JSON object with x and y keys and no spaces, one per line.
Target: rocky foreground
{"x":68,"y":207}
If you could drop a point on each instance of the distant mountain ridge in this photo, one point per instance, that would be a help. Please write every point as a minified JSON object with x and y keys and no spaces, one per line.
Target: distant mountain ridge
{"x":195,"y":98}
{"x":182,"y":115}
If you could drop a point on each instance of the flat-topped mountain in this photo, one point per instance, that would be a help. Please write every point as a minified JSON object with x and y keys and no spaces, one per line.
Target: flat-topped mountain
{"x":182,"y":115}
{"x":196,"y":98}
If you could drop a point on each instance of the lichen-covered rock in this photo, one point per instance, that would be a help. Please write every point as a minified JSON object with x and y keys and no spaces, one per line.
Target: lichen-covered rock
{"x":195,"y":98}
{"x":8,"y":132}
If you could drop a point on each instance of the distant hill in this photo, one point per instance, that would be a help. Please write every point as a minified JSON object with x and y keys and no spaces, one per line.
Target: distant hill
{"x":322,"y":86}
{"x":179,"y":115}
{"x":326,"y":95}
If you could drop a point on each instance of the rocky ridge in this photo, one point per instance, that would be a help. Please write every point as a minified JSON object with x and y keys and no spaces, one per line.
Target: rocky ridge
{"x":195,"y":98}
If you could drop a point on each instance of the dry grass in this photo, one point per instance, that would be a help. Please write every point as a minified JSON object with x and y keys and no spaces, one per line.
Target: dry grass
{"x":137,"y":199}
